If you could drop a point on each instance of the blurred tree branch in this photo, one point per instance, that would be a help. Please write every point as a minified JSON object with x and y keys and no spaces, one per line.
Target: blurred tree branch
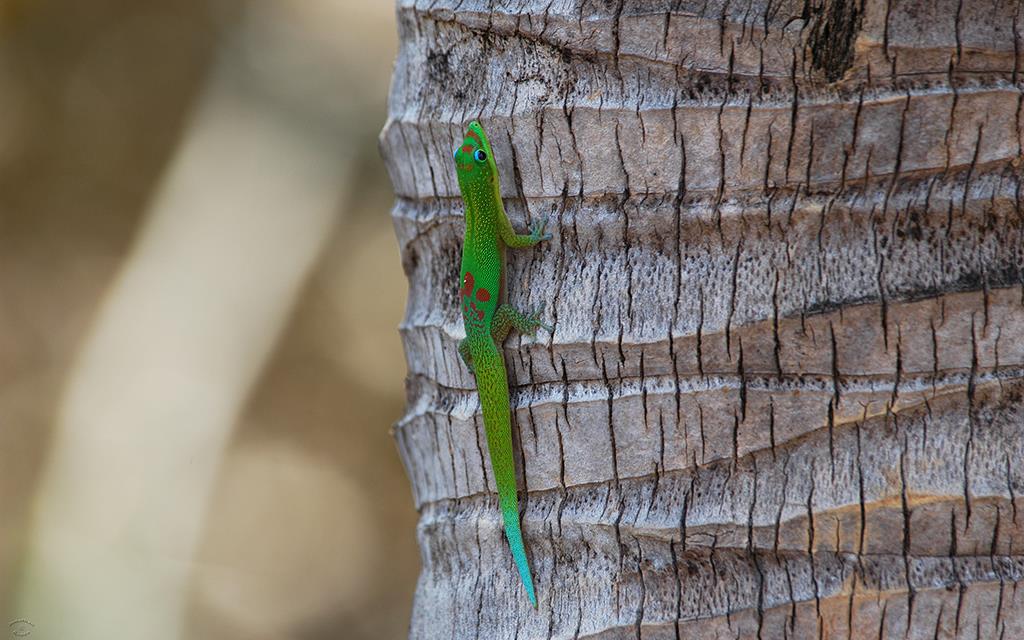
{"x":239,"y":219}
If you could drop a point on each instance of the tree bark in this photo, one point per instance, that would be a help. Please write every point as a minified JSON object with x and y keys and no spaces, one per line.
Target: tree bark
{"x":783,"y":398}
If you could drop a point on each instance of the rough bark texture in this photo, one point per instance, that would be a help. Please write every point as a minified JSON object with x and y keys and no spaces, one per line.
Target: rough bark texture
{"x":784,"y":394}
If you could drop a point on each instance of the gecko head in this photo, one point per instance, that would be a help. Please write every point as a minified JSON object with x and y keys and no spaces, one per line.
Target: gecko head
{"x":473,"y":157}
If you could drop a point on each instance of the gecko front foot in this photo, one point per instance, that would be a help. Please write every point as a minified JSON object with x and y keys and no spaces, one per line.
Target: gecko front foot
{"x":537,"y":231}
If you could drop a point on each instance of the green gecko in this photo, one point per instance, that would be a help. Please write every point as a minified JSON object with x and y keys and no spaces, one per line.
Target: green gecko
{"x":488,"y":322}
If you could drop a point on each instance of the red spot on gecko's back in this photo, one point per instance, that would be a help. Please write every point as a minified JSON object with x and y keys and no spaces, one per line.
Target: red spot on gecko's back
{"x":467,"y":284}
{"x":483,"y":295}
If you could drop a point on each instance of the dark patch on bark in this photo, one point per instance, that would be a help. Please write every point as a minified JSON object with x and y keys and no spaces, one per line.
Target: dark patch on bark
{"x":1005,"y":276}
{"x":832,"y":37}
{"x":439,"y":67}
{"x":442,"y":72}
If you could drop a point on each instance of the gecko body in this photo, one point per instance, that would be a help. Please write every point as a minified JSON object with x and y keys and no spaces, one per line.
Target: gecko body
{"x":488,"y":321}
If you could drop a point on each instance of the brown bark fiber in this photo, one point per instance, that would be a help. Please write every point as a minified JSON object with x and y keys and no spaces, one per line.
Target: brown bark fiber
{"x":783,"y":398}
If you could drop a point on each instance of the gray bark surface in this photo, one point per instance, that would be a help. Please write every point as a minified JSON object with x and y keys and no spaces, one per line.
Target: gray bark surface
{"x":783,"y":398}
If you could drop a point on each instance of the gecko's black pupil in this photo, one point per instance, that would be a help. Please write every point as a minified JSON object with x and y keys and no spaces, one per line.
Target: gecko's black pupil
{"x":479,"y":155}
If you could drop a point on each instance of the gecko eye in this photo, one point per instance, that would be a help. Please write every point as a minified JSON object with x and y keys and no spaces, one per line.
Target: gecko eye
{"x":455,"y":154}
{"x":479,"y":155}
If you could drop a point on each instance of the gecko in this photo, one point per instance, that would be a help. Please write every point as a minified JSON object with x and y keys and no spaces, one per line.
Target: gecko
{"x":488,"y":321}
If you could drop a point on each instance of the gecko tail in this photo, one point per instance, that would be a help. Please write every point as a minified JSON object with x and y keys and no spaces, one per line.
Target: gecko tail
{"x":510,"y":513}
{"x":492,"y":385}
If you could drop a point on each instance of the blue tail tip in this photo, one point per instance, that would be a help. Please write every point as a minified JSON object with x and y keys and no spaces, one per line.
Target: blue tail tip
{"x":531,"y":595}
{"x":526,"y":578}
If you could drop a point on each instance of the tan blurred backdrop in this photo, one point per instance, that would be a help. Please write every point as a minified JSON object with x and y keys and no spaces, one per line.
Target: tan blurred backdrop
{"x":199,"y":299}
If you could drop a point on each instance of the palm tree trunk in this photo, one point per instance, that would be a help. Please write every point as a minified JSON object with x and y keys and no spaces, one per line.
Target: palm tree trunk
{"x":784,"y":394}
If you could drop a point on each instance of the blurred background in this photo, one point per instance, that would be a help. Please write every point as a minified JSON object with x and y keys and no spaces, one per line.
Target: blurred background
{"x":200,"y":292}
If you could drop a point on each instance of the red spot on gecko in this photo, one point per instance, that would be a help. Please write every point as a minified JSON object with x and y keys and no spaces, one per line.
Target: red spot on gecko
{"x":467,"y":148}
{"x":483,"y":295}
{"x":472,"y":134}
{"x":467,"y":284}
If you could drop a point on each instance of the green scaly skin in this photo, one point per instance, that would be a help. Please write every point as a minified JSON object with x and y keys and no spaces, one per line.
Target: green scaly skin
{"x":488,"y":322}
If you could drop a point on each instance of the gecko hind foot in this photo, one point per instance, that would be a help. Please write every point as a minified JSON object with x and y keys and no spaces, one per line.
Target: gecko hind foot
{"x":536,"y":323}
